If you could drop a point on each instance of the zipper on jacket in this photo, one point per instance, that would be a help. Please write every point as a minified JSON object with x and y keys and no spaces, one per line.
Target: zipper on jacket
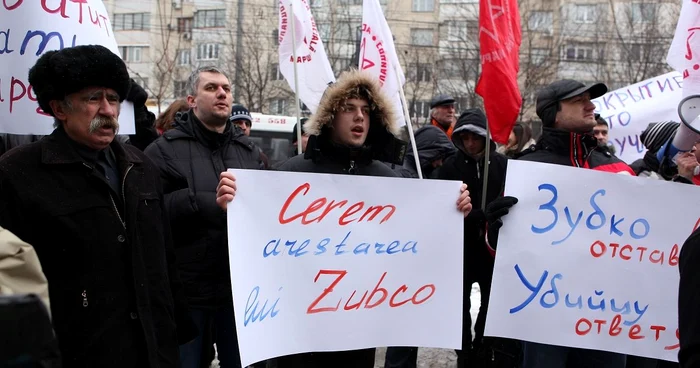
{"x":351,"y":169}
{"x":123,"y":197}
{"x":478,"y":170}
{"x":85,"y":300}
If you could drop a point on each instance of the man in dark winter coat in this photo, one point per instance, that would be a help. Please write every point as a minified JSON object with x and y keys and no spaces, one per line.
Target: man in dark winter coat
{"x":92,"y":208}
{"x":433,"y":148}
{"x":468,"y":165}
{"x":352,"y":133}
{"x":568,"y":118}
{"x":202,"y":144}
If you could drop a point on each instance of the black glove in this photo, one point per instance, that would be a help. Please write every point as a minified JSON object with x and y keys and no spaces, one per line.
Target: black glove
{"x":494,"y":212}
{"x":137,"y":95}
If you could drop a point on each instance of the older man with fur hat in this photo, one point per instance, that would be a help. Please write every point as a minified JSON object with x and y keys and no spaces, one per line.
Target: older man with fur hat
{"x":93,"y":210}
{"x":352,"y":132}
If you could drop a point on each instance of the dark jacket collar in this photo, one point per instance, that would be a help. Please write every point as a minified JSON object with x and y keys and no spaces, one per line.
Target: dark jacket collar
{"x":575,"y":145}
{"x":380,"y":145}
{"x":188,"y":126}
{"x":58,"y":148}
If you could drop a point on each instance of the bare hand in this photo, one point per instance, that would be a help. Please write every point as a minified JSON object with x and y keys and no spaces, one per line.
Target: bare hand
{"x":226,"y":189}
{"x":464,"y":203}
{"x":686,"y":164}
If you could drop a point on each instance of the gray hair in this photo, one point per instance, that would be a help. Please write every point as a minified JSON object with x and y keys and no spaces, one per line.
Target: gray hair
{"x":66,"y":105}
{"x":193,"y":80}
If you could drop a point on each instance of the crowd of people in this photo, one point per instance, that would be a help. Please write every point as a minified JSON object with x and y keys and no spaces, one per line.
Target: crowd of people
{"x":123,"y":239}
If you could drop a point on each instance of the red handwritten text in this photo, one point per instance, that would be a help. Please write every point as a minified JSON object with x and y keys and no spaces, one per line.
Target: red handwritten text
{"x":322,"y":204}
{"x":627,"y":252}
{"x":377,"y":296}
{"x":585,"y":326}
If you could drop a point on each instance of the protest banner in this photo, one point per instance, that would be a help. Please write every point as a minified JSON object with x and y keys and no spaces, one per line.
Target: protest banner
{"x":629,"y":110}
{"x":31,"y":28}
{"x":333,"y":262}
{"x":592,"y":265}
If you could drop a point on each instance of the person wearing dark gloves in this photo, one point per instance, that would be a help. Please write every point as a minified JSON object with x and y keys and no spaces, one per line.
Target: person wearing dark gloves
{"x":468,"y":165}
{"x":568,"y":118}
{"x":493,"y":215}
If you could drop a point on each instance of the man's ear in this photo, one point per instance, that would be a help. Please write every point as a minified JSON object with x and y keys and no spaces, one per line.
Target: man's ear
{"x":59,"y":109}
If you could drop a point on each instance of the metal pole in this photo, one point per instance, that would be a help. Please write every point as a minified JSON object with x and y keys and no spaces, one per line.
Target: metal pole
{"x":296,"y":74}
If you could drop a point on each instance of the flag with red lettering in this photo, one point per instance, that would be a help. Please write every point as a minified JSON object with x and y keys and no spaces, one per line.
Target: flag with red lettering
{"x":684,"y":53}
{"x":313,"y":68}
{"x":378,"y":55}
{"x":499,"y":36}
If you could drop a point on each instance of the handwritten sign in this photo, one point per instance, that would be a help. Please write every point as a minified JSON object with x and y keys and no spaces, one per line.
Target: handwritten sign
{"x":684,"y":53}
{"x":30,"y":28}
{"x":629,"y":110}
{"x":591,"y":262}
{"x":331,"y":262}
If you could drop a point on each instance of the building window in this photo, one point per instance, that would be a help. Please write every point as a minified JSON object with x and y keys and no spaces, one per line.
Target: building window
{"x":184,"y":25}
{"x":133,"y":54}
{"x":421,"y":109}
{"x":275,"y":73}
{"x":346,"y":32}
{"x":423,"y":5}
{"x":316,"y":3}
{"x":180,"y":89}
{"x":540,"y":21}
{"x":210,"y":18}
{"x":420,"y":72}
{"x":131,"y":21}
{"x":208,"y":51}
{"x":350,"y":2}
{"x":578,"y":53}
{"x":643,"y":12}
{"x":456,"y":30}
{"x":538,"y":56}
{"x":184,"y":57}
{"x":278,"y":106}
{"x":421,"y":37}
{"x":585,"y":13}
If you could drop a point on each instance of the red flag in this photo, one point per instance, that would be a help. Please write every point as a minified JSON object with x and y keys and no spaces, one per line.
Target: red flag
{"x":499,"y":36}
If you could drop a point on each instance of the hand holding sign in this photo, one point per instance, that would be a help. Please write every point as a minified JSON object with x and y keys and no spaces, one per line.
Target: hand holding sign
{"x":586,"y":264}
{"x":340,"y":262}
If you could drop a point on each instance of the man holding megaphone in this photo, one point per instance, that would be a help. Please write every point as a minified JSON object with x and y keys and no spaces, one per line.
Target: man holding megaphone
{"x":680,"y":150}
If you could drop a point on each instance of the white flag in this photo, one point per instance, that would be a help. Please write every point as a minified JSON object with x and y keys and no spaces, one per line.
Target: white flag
{"x":378,"y":55}
{"x":315,"y":73}
{"x":684,"y":54}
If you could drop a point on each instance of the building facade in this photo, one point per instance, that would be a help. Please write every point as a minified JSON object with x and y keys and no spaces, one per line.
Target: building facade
{"x":618,"y":42}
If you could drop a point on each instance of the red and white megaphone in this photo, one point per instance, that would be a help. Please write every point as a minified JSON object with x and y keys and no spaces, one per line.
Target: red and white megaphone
{"x":688,"y":132}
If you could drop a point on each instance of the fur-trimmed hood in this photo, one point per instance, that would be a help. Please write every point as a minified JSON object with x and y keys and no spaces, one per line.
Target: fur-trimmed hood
{"x":337,"y":93}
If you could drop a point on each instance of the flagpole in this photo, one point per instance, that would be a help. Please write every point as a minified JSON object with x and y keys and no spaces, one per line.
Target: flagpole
{"x":296,"y":74}
{"x":408,"y":124}
{"x":487,"y":154}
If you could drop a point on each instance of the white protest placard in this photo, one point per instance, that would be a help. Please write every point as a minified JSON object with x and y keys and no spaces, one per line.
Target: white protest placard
{"x":334,"y":262}
{"x":629,"y":110}
{"x":29,"y":29}
{"x":589,"y":259}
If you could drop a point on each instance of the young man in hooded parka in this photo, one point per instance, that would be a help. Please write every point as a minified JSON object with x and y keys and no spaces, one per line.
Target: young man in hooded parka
{"x":352,"y":132}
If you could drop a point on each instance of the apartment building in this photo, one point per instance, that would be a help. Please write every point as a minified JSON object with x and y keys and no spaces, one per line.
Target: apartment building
{"x":614,"y":41}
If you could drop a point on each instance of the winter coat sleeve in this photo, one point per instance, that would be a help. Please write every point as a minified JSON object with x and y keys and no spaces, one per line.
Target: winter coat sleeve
{"x":689,"y":302}
{"x":179,"y":198}
{"x":186,"y":329}
{"x":146,"y":131}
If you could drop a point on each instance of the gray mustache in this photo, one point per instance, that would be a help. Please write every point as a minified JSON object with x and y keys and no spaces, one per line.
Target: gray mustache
{"x":101,"y":122}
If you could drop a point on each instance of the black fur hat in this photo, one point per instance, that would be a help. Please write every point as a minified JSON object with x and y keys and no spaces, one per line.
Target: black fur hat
{"x":59,"y":73}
